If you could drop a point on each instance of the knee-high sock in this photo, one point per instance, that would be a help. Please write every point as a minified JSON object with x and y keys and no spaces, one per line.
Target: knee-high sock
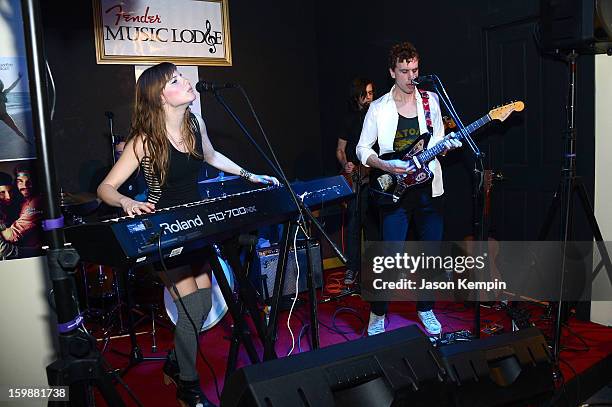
{"x":206,"y":298}
{"x":185,"y":339}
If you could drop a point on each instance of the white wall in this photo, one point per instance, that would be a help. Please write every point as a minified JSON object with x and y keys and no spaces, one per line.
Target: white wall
{"x":27,"y":330}
{"x":601,"y":311}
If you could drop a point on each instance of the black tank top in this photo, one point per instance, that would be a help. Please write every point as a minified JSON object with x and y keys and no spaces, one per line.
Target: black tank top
{"x":181,"y":184}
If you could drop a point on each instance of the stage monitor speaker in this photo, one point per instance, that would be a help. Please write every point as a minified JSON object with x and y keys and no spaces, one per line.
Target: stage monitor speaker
{"x":505,"y":370}
{"x":267,"y":261}
{"x":399,"y":367}
{"x":581,"y":25}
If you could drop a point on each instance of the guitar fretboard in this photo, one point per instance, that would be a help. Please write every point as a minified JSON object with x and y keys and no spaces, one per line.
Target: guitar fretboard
{"x":431,"y":153}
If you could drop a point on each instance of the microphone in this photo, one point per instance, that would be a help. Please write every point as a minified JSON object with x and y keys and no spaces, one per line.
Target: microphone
{"x":204,"y":86}
{"x":419,"y":80}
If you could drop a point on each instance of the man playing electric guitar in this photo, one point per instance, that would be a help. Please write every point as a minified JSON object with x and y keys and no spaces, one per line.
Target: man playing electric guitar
{"x":394,"y":121}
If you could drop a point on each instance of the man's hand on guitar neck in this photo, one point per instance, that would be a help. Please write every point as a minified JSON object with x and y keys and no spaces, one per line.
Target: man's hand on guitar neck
{"x":451,"y":144}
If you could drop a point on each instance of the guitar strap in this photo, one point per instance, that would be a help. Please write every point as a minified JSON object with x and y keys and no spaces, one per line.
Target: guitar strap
{"x":425,"y":98}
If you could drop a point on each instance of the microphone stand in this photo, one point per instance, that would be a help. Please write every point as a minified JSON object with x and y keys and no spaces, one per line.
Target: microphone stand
{"x":478,"y":191}
{"x":276,"y":167}
{"x":304,"y":212}
{"x":109,"y":116}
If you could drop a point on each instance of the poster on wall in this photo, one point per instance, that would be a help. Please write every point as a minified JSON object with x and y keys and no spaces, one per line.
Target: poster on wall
{"x":20,"y":200}
{"x":16,"y":126}
{"x":185,"y":32}
{"x":21,"y":212}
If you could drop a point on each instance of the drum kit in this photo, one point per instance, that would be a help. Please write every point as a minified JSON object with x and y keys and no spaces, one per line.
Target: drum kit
{"x":100,"y":288}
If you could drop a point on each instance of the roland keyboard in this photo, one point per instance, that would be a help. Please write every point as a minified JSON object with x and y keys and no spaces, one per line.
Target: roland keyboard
{"x":132,"y":240}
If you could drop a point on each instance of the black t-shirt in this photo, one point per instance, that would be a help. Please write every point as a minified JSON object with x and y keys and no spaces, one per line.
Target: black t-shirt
{"x":353,"y":122}
{"x":407,"y":132}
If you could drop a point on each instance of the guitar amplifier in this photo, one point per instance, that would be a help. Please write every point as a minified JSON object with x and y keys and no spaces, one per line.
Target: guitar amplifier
{"x":263,"y":269}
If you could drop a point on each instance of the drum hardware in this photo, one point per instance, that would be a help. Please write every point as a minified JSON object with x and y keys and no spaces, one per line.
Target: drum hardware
{"x":103,"y":305}
{"x":152,"y":314}
{"x":221,"y":178}
{"x":221,"y":186}
{"x":126,"y":290}
{"x":100,"y":302}
{"x":123,"y":332}
{"x":125,"y":294}
{"x":78,"y":204}
{"x":111,"y":292}
{"x":149,"y":310}
{"x":98,"y":283}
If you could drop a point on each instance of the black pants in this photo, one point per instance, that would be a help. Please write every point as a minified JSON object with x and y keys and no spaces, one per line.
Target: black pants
{"x":359,"y":217}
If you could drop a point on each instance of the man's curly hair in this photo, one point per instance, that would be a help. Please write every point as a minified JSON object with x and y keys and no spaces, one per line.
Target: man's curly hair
{"x":403,"y":51}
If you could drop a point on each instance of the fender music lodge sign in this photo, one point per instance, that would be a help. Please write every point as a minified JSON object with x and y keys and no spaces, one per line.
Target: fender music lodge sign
{"x":185,"y":32}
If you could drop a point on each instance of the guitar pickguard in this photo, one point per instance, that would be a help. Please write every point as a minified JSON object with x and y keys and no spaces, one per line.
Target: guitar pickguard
{"x":416,"y":148}
{"x":385,"y":181}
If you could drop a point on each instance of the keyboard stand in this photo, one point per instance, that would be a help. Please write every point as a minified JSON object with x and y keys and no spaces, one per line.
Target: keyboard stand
{"x":236,"y":307}
{"x":289,"y":230}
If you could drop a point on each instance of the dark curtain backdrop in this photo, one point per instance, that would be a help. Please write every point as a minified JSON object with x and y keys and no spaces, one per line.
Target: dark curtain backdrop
{"x":296,"y":58}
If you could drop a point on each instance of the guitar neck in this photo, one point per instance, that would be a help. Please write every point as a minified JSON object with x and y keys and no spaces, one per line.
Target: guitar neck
{"x":431,"y":153}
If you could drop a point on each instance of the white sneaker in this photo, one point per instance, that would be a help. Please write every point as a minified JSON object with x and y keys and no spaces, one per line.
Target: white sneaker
{"x":376,"y":325}
{"x":350,"y":276}
{"x":430,"y":322}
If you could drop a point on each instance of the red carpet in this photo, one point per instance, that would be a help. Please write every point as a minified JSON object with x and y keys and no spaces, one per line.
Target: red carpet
{"x":585,"y":344}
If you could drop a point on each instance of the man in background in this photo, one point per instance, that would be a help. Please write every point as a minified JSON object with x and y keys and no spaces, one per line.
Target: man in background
{"x":8,"y":202}
{"x":361,"y":94}
{"x":8,"y":213}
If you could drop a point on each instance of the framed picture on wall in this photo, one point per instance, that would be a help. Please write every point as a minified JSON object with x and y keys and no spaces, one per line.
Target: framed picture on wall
{"x":185,"y":32}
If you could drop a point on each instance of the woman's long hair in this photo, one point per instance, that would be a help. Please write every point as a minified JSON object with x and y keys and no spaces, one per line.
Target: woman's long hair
{"x":149,"y":121}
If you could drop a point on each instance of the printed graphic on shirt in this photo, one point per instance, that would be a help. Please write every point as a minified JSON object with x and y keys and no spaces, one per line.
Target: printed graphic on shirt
{"x":407,"y":132}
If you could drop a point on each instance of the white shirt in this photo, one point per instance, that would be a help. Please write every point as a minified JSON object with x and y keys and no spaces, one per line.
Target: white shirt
{"x":380,"y":125}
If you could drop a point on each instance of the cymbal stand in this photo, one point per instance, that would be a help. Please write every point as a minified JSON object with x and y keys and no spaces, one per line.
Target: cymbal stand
{"x":135,"y":356}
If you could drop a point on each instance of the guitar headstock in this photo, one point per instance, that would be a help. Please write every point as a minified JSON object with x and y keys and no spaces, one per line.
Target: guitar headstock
{"x":501,"y":113}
